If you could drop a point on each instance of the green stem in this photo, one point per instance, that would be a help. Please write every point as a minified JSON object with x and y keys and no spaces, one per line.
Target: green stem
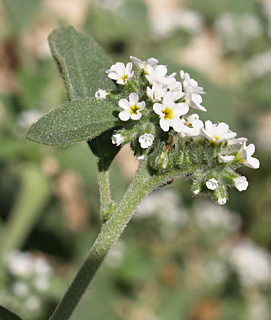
{"x":143,"y":184}
{"x":105,"y":194}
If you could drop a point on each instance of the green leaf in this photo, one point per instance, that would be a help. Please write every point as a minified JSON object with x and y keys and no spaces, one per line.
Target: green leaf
{"x":5,"y":314}
{"x":82,"y":65}
{"x":104,"y":151}
{"x":79,"y":120}
{"x":81,"y":62}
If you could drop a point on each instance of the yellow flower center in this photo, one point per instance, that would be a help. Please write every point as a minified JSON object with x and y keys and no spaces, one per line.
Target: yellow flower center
{"x":216,"y":137}
{"x":124,"y":78}
{"x":134,"y":109}
{"x":168,"y":113}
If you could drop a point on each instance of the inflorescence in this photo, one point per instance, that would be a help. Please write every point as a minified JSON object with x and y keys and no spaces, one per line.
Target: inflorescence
{"x":157,"y":122}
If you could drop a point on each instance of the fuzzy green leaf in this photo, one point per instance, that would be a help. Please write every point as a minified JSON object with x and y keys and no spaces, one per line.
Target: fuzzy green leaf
{"x":5,"y":314}
{"x":81,"y":62}
{"x":78,"y":120}
{"x":82,"y":65}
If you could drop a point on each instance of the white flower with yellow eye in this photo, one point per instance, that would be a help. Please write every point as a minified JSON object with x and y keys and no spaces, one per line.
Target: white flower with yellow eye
{"x":121,"y":73}
{"x":170,"y":113}
{"x":131,"y":108}
{"x":245,"y":156}
{"x":217,"y":132}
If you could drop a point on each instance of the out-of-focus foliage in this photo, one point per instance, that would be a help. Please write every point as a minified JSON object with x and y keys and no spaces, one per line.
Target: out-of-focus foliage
{"x":180,"y":258}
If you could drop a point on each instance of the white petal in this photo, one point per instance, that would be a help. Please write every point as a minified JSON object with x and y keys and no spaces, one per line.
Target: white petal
{"x":164,"y":124}
{"x":168,"y":100}
{"x":136,"y":116}
{"x":157,"y":108}
{"x":253,"y":163}
{"x":123,"y":103}
{"x":124,"y":115}
{"x":133,"y":98}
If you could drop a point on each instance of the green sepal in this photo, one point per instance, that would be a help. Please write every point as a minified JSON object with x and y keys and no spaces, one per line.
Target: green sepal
{"x":79,"y":120}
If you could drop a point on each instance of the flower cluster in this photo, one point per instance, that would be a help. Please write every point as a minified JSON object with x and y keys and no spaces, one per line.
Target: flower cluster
{"x":31,"y":277}
{"x":155,"y":109}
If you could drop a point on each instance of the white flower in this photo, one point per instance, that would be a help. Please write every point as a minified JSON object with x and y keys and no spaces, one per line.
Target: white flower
{"x":20,"y":264}
{"x":188,"y":82}
{"x":20,"y":289}
{"x":156,"y":92}
{"x":217,"y":132}
{"x":117,"y":139}
{"x":131,"y":108}
{"x":192,"y":91}
{"x":33,"y":303}
{"x":142,"y":64}
{"x":121,"y":73}
{"x":146,"y":140}
{"x":170,"y":113}
{"x":221,"y":201}
{"x":156,"y":74}
{"x":42,"y":283}
{"x":241,"y":183}
{"x":194,"y":100}
{"x":233,"y":142}
{"x":100,"y":94}
{"x":212,"y":184}
{"x":193,"y":126}
{"x":225,"y":159}
{"x":176,"y":88}
{"x":251,"y":263}
{"x":245,"y":156}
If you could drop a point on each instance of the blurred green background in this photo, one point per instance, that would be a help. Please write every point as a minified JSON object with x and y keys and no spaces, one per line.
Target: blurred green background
{"x":181,"y":258}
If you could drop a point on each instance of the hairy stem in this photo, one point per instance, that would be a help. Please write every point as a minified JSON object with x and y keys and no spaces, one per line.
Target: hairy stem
{"x":143,"y":183}
{"x":105,"y":194}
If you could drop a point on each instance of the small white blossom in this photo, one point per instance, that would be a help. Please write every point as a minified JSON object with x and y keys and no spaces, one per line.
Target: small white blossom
{"x":100,"y":94}
{"x":175,"y":87}
{"x":156,"y":92}
{"x":33,"y":303}
{"x":188,"y":82}
{"x":241,"y":183}
{"x":245,"y":156}
{"x":117,"y":139}
{"x":217,"y":132}
{"x":142,"y":64}
{"x":156,"y":74}
{"x":121,"y":73}
{"x":170,"y":113}
{"x":192,"y":91}
{"x":20,"y":289}
{"x":146,"y":140}
{"x":251,"y":263}
{"x":233,"y":142}
{"x":222,"y":201}
{"x":192,"y":126}
{"x":42,"y":283}
{"x":131,"y":108}
{"x":194,"y":100}
{"x":212,"y":184}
